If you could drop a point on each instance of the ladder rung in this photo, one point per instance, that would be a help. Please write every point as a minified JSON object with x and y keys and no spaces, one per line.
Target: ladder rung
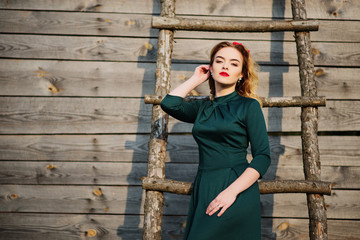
{"x":192,"y":24}
{"x":266,"y":187}
{"x":296,"y":101}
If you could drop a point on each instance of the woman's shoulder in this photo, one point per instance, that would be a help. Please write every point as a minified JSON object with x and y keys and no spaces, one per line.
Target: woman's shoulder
{"x":245,"y":100}
{"x":241,"y":106}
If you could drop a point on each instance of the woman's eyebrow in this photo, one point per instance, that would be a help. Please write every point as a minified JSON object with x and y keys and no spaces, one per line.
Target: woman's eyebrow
{"x":234,"y":59}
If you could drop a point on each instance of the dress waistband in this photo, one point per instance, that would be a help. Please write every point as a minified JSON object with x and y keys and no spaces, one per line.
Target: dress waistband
{"x":225,"y":166}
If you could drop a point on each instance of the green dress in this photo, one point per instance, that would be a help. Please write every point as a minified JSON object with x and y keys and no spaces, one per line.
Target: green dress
{"x":222,"y":129}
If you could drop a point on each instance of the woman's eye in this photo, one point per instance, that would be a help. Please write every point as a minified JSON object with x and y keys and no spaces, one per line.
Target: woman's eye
{"x":218,"y":61}
{"x":234,"y":64}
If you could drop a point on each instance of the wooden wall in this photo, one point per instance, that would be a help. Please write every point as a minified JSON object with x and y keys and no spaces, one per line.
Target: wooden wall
{"x":74,"y":127}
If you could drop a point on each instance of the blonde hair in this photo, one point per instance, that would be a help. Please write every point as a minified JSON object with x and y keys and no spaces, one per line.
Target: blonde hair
{"x":250,"y":81}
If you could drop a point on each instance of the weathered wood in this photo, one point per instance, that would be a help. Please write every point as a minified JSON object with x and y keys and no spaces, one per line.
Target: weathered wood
{"x":295,"y":186}
{"x":197,"y":24}
{"x":285,"y":150}
{"x":324,"y":33}
{"x":331,"y":9}
{"x":342,"y":204}
{"x":296,"y":101}
{"x":125,"y":173}
{"x":36,"y":77}
{"x":75,"y":23}
{"x":309,"y":126}
{"x":42,"y":115}
{"x":73,"y":115}
{"x":23,"y":46}
{"x":139,"y":25}
{"x":167,"y":185}
{"x":153,"y":206}
{"x":98,"y":78}
{"x":72,"y":199}
{"x":109,"y":227}
{"x":266,"y":187}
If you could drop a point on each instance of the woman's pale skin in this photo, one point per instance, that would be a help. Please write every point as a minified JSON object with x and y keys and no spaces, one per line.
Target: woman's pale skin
{"x":227,"y":60}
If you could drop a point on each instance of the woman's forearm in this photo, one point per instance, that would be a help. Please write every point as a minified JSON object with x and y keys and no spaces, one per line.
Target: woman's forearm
{"x":183,"y":89}
{"x":200,"y":75}
{"x":244,"y":181}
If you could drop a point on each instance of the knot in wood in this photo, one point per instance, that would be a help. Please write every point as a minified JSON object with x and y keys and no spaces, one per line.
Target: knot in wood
{"x":283,"y":226}
{"x":98,"y":192}
{"x":13,"y":196}
{"x":91,"y":233}
{"x":50,"y":167}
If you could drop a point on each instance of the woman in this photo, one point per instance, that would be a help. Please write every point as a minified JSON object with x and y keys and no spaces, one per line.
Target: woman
{"x":225,"y":202}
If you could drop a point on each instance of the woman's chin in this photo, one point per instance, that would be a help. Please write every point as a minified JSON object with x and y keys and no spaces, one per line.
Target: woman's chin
{"x":225,"y":83}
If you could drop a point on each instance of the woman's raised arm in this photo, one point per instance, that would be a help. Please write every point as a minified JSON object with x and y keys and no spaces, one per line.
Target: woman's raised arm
{"x":201,"y":74}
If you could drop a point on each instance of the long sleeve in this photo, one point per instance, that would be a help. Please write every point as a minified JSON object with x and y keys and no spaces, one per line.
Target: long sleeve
{"x":176,"y":107}
{"x":258,"y":138}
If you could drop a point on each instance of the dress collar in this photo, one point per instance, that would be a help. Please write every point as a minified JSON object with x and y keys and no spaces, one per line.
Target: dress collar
{"x":226,"y":97}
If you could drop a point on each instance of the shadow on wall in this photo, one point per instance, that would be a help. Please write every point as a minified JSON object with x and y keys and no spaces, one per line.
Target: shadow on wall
{"x":276,"y":89}
{"x":132,"y":225}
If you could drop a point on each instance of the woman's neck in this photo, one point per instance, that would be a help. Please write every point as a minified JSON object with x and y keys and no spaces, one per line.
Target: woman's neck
{"x":222,"y":90}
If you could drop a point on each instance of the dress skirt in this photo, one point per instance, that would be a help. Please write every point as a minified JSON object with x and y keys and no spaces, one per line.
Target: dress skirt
{"x":240,"y":221}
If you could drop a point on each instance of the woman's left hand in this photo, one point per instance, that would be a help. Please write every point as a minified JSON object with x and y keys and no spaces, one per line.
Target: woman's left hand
{"x":224,"y":200}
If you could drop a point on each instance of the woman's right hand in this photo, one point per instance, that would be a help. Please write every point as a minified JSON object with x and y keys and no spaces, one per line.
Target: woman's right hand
{"x":201,"y":73}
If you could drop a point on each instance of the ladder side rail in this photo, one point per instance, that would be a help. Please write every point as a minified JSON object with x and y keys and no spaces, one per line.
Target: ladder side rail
{"x":309,"y":126}
{"x":154,"y":200}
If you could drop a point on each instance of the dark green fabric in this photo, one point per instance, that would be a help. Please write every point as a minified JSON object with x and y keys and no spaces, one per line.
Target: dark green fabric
{"x":223,"y":129}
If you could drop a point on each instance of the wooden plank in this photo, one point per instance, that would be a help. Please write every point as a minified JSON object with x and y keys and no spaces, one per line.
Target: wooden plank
{"x":99,"y":148}
{"x":330,"y":9}
{"x":283,"y":228}
{"x":285,"y":150}
{"x":139,"y":25}
{"x":42,"y":115}
{"x":64,"y":115}
{"x":144,"y":49}
{"x":281,"y":53}
{"x":84,"y":48}
{"x":74,"y":226}
{"x":77,"y":78}
{"x":119,"y":174}
{"x":342,"y":204}
{"x":75,"y":23}
{"x":70,"y":226}
{"x":72,"y":199}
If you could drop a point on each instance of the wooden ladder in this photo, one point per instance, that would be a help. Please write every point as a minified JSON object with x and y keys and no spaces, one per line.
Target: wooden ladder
{"x":155,"y":183}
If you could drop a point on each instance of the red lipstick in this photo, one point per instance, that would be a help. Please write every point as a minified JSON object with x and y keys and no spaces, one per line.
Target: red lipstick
{"x":224,"y":74}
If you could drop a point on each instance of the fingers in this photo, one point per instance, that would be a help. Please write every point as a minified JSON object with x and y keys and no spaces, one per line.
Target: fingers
{"x":212,"y":210}
{"x":215,"y":206}
{"x":223,"y":209}
{"x":205,"y":67}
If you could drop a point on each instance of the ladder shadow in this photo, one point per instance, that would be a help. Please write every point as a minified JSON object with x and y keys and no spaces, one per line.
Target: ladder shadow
{"x":276,"y":89}
{"x":132,"y":226}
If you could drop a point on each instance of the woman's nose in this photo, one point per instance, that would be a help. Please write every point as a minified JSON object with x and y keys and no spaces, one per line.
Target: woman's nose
{"x":225,"y":66}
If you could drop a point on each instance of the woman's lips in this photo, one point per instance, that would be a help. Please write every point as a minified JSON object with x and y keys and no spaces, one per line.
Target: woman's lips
{"x":224,"y":74}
